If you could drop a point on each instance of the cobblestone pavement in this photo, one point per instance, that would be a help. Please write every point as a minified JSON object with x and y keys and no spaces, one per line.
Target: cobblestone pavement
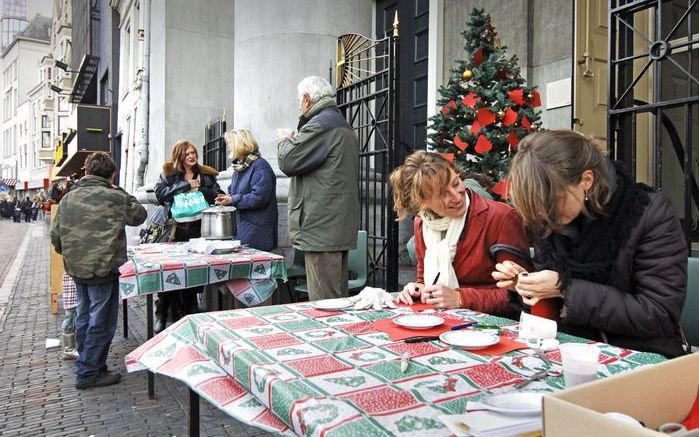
{"x":37,"y":389}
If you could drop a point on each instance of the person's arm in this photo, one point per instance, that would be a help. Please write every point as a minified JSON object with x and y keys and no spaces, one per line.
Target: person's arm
{"x":659,"y":276}
{"x":491,"y":299}
{"x":263,"y":187}
{"x":55,"y":233}
{"x":135,"y":213}
{"x":302,"y":153}
{"x":166,"y":191}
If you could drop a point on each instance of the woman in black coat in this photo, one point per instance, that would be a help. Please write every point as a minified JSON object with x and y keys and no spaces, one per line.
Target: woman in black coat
{"x":181,"y":175}
{"x":609,"y":250}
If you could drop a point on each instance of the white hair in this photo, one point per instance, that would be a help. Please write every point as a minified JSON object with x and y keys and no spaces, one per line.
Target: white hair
{"x":316,"y":88}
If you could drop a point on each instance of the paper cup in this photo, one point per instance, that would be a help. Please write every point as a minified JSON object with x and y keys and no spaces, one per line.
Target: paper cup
{"x":536,"y":327}
{"x":579,"y":363}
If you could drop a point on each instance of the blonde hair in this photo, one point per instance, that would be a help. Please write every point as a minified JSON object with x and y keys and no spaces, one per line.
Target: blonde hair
{"x":241,"y":143}
{"x":545,"y":166}
{"x":179,"y":152}
{"x":422,"y":176}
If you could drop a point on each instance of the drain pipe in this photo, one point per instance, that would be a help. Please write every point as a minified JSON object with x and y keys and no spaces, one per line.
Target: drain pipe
{"x":145,"y":97}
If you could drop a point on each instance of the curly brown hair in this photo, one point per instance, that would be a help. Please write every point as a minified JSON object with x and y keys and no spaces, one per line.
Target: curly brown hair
{"x":422,"y":176}
{"x":179,"y":152}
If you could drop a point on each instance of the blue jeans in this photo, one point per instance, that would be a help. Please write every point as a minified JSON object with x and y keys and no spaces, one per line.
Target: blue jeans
{"x":95,"y":324}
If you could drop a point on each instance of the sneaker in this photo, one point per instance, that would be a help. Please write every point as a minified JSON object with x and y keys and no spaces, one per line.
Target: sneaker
{"x":106,"y":378}
{"x":158,"y":326}
{"x":70,"y":354}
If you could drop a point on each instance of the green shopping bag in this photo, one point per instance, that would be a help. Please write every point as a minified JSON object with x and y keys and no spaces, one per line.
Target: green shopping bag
{"x":187,"y":207}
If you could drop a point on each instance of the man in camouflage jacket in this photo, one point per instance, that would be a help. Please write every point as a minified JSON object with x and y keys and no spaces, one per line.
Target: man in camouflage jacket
{"x":89,"y":232}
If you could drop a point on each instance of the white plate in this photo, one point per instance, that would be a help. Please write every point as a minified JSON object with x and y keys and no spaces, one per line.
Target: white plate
{"x":469,"y":339}
{"x":332,"y":304}
{"x":522,"y":403}
{"x":415,"y":321}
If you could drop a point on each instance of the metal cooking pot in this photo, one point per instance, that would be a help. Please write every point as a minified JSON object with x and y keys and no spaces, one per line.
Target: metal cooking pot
{"x":218,"y":223}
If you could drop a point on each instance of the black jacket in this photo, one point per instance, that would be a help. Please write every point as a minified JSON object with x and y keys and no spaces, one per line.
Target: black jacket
{"x":642,"y":309}
{"x":172,"y":182}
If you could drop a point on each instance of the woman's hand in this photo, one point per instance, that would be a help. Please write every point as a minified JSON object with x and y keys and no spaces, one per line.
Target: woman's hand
{"x":441,"y":296}
{"x":411,"y":290}
{"x":195,"y":183}
{"x":538,"y":285}
{"x":223,"y":199}
{"x":506,"y":274}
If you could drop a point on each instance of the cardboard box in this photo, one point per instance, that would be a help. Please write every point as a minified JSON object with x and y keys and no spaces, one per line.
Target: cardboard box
{"x":655,"y":395}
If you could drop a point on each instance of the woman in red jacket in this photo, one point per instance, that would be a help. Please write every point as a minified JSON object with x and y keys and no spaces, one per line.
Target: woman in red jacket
{"x":459,"y":237}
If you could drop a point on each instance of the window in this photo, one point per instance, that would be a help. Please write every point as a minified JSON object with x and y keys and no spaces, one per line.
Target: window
{"x":45,"y":121}
{"x":46,"y":140}
{"x":62,"y":104}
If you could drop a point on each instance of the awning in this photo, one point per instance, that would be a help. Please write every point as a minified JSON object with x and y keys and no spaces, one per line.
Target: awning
{"x":8,"y":182}
{"x":86,"y":73}
{"x":74,"y":164}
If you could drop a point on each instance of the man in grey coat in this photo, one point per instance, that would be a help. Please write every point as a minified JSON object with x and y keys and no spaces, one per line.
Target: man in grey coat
{"x":322,"y":160}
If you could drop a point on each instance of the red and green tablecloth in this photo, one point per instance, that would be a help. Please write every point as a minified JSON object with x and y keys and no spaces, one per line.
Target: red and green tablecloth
{"x":294,"y":369}
{"x":249,"y":274}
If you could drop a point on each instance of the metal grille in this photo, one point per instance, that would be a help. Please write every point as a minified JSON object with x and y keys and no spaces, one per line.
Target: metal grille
{"x":662,"y":60}
{"x":215,"y":153}
{"x":367,"y":78}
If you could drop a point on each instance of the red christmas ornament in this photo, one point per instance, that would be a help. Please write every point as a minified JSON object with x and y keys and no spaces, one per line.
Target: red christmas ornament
{"x":461,"y":144}
{"x":513,"y":139}
{"x":526,"y":124}
{"x":448,"y":156}
{"x":517,"y":96}
{"x":485,"y":117}
{"x":478,"y":57}
{"x":502,"y":74}
{"x":483,"y":145}
{"x":448,"y":107}
{"x":502,"y":188}
{"x":536,"y":100}
{"x":475,"y":128}
{"x":509,"y":118}
{"x":470,"y":99}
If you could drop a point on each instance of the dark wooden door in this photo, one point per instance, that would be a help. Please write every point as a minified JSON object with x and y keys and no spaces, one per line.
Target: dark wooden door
{"x":413,"y":16}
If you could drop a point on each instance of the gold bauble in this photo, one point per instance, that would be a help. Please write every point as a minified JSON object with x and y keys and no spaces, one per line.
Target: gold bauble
{"x":496,"y":43}
{"x":530,"y":95}
{"x":535,"y":127}
{"x":467,"y":75}
{"x":501,"y":114}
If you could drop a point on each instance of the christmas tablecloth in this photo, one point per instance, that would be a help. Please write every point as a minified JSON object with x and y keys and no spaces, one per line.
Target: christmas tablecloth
{"x":294,"y":369}
{"x":250,"y":274}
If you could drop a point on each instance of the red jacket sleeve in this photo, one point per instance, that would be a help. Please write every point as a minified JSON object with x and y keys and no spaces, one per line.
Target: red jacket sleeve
{"x":488,"y":298}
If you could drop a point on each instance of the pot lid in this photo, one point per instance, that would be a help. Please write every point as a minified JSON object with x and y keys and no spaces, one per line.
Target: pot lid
{"x":217,"y":209}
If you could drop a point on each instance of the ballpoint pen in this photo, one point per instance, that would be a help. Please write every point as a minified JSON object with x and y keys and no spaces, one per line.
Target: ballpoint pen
{"x":462,"y":326}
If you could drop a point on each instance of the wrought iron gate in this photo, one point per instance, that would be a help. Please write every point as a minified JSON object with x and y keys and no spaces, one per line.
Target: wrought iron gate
{"x":215,"y":152}
{"x":664,"y":57}
{"x":367,"y":84}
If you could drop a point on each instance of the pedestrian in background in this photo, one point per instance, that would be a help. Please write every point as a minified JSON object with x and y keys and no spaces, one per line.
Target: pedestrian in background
{"x":252,"y":191}
{"x":322,"y":161}
{"x":27,"y":209}
{"x":182,"y":174}
{"x":89,"y":232}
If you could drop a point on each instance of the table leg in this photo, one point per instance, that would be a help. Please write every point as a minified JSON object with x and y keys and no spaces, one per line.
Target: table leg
{"x":193,"y":413}
{"x":125,"y":314}
{"x":149,"y":331}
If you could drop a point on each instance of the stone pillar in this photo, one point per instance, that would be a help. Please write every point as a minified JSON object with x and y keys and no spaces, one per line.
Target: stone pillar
{"x":278,"y":43}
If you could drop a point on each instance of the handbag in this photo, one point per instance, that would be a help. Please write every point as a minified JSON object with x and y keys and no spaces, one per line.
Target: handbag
{"x":161,"y":228}
{"x":187,"y":207}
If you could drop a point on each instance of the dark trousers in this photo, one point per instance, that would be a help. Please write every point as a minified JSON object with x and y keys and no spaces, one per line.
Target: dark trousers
{"x":95,"y":324}
{"x":177,"y":304}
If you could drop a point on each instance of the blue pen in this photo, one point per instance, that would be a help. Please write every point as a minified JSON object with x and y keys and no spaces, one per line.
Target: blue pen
{"x":462,"y":326}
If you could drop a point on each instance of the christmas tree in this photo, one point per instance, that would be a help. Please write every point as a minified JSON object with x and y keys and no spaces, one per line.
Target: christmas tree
{"x":486,"y":108}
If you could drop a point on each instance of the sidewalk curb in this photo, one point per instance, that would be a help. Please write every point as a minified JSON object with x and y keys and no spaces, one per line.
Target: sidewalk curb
{"x":12,"y":277}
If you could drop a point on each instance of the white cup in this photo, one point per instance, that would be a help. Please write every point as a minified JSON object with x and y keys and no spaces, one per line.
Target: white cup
{"x":579,"y":363}
{"x":536,"y":327}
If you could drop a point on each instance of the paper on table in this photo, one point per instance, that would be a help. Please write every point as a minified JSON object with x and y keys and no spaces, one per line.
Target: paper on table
{"x":489,"y":423}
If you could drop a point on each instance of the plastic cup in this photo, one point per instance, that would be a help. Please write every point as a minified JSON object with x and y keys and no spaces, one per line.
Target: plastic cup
{"x":579,"y":363}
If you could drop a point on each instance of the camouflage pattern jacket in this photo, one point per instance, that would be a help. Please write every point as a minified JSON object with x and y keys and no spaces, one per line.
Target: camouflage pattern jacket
{"x":88,"y":229}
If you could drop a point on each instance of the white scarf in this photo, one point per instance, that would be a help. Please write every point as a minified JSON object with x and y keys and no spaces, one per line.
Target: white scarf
{"x":440,"y":250}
